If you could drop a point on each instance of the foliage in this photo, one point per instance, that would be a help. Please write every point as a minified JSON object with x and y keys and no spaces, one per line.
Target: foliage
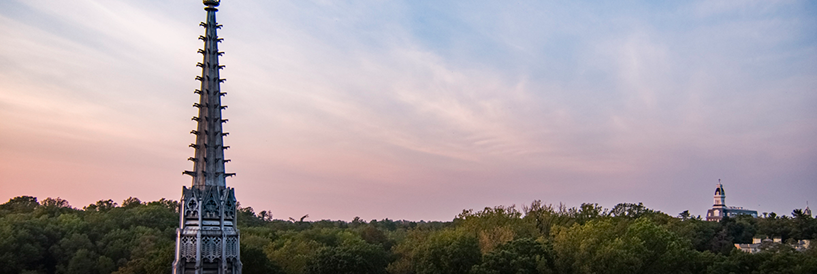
{"x":51,"y":236}
{"x":354,"y":258}
{"x":256,"y":262}
{"x":620,"y":247}
{"x":520,"y":256}
{"x":447,"y":251}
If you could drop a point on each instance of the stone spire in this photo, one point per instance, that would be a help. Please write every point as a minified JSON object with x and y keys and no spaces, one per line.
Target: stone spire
{"x":208,"y":162}
{"x":207,"y":240}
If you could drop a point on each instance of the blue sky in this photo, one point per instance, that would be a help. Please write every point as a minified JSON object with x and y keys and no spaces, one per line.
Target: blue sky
{"x":418,"y":109}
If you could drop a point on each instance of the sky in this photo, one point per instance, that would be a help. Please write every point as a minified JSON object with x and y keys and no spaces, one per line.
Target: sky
{"x":417,"y":110}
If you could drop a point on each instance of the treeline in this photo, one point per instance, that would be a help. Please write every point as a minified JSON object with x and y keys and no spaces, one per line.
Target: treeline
{"x":50,"y":236}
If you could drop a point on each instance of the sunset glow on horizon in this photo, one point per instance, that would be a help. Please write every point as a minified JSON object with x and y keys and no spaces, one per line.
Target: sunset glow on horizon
{"x":418,"y":109}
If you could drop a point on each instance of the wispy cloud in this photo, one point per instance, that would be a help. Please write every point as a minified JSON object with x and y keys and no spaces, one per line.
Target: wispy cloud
{"x":418,"y":109}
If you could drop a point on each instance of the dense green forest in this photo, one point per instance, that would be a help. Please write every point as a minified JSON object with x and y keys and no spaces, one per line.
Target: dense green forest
{"x":50,"y":236}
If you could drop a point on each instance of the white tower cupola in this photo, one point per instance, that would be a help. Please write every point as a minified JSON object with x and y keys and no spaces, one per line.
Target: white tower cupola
{"x":720,"y":196}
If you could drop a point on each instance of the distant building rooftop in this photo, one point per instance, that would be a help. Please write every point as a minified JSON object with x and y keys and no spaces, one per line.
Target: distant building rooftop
{"x":719,"y":208}
{"x":759,"y":245}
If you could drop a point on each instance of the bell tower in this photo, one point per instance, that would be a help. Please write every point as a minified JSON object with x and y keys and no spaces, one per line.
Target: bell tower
{"x":207,"y":240}
{"x":720,"y":196}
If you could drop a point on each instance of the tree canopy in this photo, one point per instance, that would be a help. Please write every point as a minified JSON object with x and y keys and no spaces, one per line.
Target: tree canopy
{"x":51,"y":236}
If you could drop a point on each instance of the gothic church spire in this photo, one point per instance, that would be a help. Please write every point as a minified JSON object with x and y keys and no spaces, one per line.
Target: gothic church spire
{"x":208,"y":161}
{"x":207,"y":240}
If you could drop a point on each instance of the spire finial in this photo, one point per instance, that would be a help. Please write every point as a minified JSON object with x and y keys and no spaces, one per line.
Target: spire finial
{"x":211,"y":3}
